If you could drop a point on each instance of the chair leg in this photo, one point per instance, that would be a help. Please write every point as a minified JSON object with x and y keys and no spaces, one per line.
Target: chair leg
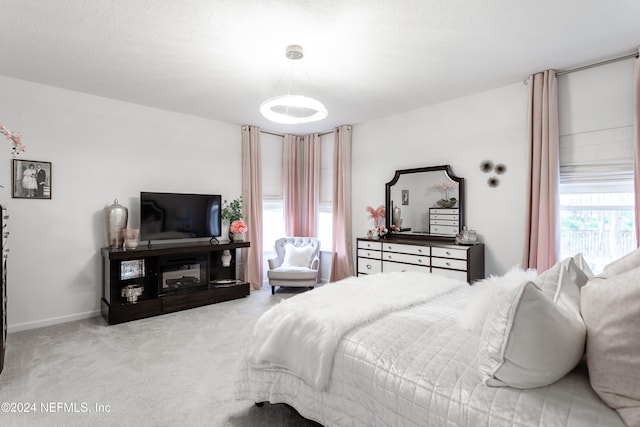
{"x":273,"y":290}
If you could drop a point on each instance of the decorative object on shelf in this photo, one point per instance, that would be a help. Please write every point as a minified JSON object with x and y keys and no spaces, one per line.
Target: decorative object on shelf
{"x":486,"y":166}
{"x":16,"y":140}
{"x":238,"y":230}
{"x":31,"y":179}
{"x":467,"y":237}
{"x":397,"y":217}
{"x":232,"y":210}
{"x":293,"y":109}
{"x":382,"y":231}
{"x":444,"y":187}
{"x":132,"y":292}
{"x":131,"y":238}
{"x":115,"y":221}
{"x":224,"y":229}
{"x":377,"y":215}
{"x":226,"y":258}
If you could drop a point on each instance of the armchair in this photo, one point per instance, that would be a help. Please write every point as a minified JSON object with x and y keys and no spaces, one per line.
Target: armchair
{"x":296,"y":263}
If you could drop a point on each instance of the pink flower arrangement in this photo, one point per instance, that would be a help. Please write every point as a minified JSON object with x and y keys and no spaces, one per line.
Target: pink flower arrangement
{"x":238,"y":226}
{"x":376,"y":214}
{"x":15,"y":138}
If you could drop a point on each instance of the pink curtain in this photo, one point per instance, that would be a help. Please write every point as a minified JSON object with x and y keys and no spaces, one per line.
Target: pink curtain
{"x":342,"y":264}
{"x":292,"y":185}
{"x":252,"y":204}
{"x":542,"y":227}
{"x":301,"y":183}
{"x":311,"y":183}
{"x":636,"y":160}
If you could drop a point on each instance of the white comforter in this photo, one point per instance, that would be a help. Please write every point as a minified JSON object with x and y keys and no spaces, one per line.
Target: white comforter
{"x":301,"y":334}
{"x":417,"y":367}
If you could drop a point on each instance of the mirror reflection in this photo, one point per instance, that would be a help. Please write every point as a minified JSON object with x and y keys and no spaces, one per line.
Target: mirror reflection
{"x":425,"y":202}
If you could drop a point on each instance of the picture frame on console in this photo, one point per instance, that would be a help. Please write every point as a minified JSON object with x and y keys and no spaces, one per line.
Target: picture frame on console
{"x":31,"y":179}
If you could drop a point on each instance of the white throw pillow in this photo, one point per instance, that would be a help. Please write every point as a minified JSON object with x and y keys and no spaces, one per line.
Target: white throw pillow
{"x":297,"y":256}
{"x":554,"y":282}
{"x":529,"y":341}
{"x":484,"y":293}
{"x":621,"y":265}
{"x":611,"y":312}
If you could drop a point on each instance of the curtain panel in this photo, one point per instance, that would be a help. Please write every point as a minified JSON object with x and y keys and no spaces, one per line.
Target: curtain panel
{"x":252,"y":204}
{"x":542,"y":232}
{"x":342,"y":262}
{"x":292,"y":156}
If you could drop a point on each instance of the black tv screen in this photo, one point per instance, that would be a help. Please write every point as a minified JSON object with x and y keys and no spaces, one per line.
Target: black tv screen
{"x":179,"y":215}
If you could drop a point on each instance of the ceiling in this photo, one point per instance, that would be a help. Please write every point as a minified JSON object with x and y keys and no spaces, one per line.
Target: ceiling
{"x":364,"y":59}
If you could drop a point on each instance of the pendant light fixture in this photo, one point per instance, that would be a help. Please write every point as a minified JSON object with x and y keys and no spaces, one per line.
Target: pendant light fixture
{"x":293,"y":109}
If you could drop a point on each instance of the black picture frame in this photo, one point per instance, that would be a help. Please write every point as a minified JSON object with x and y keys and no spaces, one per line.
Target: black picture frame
{"x":31,"y":185}
{"x":405,"y":197}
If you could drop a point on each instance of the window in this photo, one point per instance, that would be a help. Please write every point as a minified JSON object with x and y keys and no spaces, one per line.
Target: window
{"x":596,"y":163}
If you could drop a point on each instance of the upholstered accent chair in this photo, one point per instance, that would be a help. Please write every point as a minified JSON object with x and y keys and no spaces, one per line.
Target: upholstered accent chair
{"x":296,"y":263}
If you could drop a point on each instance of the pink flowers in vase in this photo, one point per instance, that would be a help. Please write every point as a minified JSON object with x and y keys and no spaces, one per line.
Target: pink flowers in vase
{"x":238,"y":226}
{"x":377,"y":215}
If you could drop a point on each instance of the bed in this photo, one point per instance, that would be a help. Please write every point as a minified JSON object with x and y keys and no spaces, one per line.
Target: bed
{"x":413,"y":361}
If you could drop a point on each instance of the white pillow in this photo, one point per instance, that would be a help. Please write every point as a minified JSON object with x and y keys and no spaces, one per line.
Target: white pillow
{"x":297,"y":256}
{"x":484,"y":293}
{"x":551,"y":281}
{"x":611,"y":311}
{"x":528,"y":341}
{"x":621,"y":265}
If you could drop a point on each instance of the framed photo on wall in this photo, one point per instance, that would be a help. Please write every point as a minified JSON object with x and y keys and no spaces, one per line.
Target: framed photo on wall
{"x":31,"y":179}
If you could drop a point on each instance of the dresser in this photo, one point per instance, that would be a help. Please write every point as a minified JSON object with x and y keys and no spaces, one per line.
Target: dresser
{"x":387,"y":255}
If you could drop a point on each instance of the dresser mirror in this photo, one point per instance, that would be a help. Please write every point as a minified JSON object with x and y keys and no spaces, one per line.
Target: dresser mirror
{"x":426,"y":203}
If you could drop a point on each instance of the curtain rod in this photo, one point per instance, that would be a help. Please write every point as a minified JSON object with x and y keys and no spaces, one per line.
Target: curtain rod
{"x":594,"y":64}
{"x":282,"y":134}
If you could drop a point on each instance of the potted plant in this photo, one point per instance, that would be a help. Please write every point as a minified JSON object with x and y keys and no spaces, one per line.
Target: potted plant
{"x":231,"y":212}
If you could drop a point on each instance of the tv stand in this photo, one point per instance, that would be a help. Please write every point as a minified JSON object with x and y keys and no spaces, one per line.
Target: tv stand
{"x":162,"y":278}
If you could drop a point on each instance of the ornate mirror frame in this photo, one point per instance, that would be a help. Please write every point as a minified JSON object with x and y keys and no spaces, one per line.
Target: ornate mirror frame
{"x":414,"y":192}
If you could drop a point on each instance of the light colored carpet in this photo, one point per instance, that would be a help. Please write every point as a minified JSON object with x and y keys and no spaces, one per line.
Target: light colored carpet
{"x":171,"y":370}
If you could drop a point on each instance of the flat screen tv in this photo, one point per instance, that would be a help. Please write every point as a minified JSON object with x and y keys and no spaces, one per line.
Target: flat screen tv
{"x":179,"y":215}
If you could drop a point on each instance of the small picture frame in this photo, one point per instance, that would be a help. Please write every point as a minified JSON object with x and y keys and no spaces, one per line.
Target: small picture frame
{"x":31,"y":179}
{"x":405,"y":197}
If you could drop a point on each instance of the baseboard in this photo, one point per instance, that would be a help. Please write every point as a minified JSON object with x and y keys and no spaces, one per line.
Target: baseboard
{"x":19,"y":327}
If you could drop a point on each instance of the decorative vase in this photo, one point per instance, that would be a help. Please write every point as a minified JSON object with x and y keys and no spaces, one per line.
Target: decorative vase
{"x":238,"y":237}
{"x":226,"y":258}
{"x":224,"y":233}
{"x":131,"y":238}
{"x":115,"y":221}
{"x":397,"y":216}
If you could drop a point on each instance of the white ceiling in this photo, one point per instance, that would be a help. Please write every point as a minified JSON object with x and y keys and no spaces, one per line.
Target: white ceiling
{"x":364,"y":59}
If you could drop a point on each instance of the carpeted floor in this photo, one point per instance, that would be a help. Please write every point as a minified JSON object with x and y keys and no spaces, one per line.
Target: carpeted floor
{"x":172,"y":370}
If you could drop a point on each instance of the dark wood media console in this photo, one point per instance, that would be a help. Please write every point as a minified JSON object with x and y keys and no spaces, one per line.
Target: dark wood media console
{"x":163,"y":278}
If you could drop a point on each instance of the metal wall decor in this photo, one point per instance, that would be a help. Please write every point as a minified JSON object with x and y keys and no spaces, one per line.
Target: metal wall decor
{"x":487,"y":166}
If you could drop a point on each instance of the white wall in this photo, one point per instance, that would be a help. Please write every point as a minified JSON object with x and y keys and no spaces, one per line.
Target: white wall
{"x":100,"y":149}
{"x":461,"y":133}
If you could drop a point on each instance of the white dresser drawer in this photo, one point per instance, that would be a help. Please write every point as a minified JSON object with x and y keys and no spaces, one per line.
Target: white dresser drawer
{"x":450,"y":222}
{"x":443,"y":229}
{"x":369,"y":266}
{"x":368,"y":253}
{"x":408,"y":258}
{"x":443,"y":212}
{"x":457,"y":264}
{"x":434,"y":217}
{"x":406,"y":249}
{"x":366,"y":244}
{"x":398,"y":267}
{"x":449,"y":253}
{"x":454,"y":274}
